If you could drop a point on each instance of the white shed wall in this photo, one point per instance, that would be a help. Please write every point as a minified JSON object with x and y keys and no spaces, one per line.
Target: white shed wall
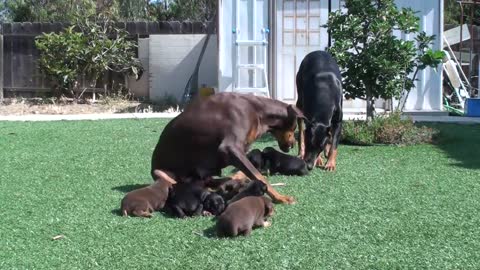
{"x":172,"y":62}
{"x":427,"y":96}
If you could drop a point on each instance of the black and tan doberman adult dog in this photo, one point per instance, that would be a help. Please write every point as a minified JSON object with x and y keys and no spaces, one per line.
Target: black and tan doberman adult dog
{"x":319,"y":87}
{"x":215,"y":132}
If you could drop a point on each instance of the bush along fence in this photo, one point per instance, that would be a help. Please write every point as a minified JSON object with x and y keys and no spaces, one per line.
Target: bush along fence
{"x":19,"y":72}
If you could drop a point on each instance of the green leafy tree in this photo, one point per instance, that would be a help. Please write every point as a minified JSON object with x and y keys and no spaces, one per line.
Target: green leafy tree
{"x":86,"y":49}
{"x":452,"y":13}
{"x":183,"y":10}
{"x":46,"y":10}
{"x":375,"y":63}
{"x":134,"y":10}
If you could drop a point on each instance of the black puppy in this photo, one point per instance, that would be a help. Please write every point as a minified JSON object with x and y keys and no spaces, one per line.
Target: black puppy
{"x":192,"y":199}
{"x":214,"y":204}
{"x":253,"y":188}
{"x":285,"y":164}
{"x":256,"y":158}
{"x":320,"y":97}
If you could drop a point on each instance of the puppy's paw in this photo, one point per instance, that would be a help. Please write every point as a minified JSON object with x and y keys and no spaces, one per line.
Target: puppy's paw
{"x":206,"y":214}
{"x":146,"y":214}
{"x":267,"y":224}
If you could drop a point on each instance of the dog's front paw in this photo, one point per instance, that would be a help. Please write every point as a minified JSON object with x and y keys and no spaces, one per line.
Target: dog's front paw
{"x":285,"y":200}
{"x":319,"y":161}
{"x":267,"y":224}
{"x":330,"y":166}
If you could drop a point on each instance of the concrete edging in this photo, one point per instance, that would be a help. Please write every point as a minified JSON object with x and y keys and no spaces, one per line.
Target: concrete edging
{"x":76,"y":117}
{"x":106,"y":116}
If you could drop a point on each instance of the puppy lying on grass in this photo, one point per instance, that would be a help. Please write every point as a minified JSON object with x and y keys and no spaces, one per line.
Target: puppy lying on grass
{"x":258,"y":161}
{"x":282,"y":163}
{"x":243,"y":215}
{"x":144,"y":201}
{"x":274,"y":162}
{"x":193,"y":199}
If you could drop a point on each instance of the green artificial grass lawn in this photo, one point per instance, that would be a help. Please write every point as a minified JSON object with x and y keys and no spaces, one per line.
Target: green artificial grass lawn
{"x":384,"y":208}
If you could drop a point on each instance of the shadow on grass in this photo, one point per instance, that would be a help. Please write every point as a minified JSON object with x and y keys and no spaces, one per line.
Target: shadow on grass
{"x":210,"y":232}
{"x":461,"y":143}
{"x":116,"y":212}
{"x":162,"y":213}
{"x":128,"y":188}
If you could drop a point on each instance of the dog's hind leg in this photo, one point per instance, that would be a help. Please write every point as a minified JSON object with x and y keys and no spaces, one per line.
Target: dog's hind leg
{"x":301,"y":139}
{"x":159,"y":174}
{"x":299,"y":104}
{"x":332,"y":151}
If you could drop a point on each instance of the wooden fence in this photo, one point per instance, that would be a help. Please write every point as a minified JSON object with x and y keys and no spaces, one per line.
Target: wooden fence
{"x":19,"y":72}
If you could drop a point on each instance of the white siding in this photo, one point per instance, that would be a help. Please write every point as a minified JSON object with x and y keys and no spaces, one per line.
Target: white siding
{"x":172,"y":62}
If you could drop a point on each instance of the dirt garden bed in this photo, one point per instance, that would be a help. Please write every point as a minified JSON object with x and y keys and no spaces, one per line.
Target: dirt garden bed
{"x":55,"y":107}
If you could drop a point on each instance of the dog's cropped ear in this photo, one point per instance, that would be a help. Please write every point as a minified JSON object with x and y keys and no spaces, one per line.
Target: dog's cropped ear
{"x":295,"y":112}
{"x":159,"y":174}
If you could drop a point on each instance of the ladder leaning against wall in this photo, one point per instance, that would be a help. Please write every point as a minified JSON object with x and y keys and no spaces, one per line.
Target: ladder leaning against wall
{"x":250,"y":40}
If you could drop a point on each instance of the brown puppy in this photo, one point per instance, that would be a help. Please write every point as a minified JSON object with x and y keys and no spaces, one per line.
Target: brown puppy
{"x":243,"y":215}
{"x":253,"y":188}
{"x":231,"y":188}
{"x":143,"y":201}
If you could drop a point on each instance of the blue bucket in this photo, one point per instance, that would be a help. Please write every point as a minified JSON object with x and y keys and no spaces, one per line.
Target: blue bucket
{"x":472,"y":107}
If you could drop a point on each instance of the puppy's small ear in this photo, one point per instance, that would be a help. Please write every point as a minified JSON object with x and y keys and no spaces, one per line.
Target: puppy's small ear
{"x":268,"y":207}
{"x":264,"y":188}
{"x":204,"y":195}
{"x":295,"y":112}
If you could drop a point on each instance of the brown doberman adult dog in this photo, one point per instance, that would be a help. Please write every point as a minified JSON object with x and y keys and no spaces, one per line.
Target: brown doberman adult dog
{"x":215,"y":132}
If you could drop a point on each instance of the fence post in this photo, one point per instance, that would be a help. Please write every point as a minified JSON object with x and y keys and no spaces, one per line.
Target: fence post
{"x":1,"y":67}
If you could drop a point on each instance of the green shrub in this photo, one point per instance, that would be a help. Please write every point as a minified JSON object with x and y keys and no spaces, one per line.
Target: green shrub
{"x":388,"y":129}
{"x":357,"y":132}
{"x":86,"y":49}
{"x":376,"y":64}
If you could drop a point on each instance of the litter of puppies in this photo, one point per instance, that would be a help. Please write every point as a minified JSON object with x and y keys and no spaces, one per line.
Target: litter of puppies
{"x":239,"y":206}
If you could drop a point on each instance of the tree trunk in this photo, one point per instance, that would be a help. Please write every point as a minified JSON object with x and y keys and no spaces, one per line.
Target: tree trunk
{"x":370,"y":108}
